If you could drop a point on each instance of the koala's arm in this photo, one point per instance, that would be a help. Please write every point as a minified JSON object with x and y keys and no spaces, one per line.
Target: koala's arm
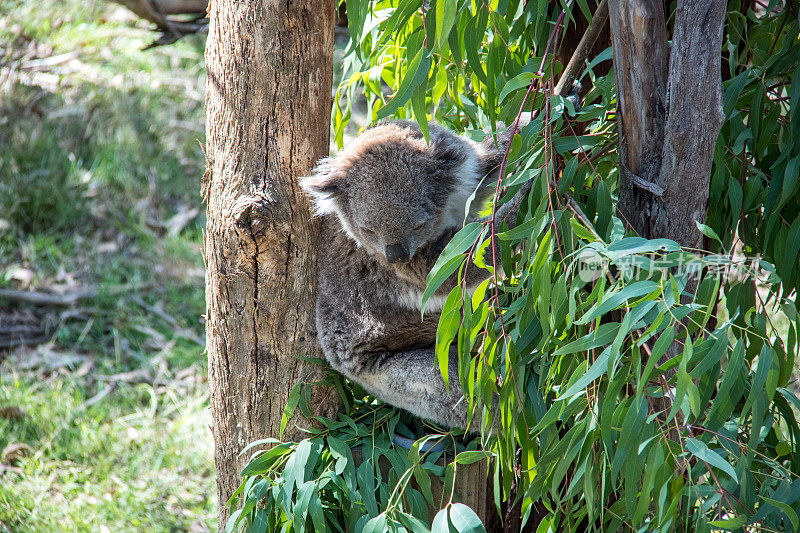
{"x":411,"y":380}
{"x":390,"y":353}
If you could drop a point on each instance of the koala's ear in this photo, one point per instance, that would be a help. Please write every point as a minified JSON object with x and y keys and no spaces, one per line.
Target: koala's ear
{"x":325,"y":185}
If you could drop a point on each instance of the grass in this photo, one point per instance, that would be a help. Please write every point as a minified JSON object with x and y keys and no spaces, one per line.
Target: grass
{"x":100,"y":154}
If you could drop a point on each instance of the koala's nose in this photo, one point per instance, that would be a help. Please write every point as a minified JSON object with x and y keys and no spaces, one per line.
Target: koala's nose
{"x":397,"y":253}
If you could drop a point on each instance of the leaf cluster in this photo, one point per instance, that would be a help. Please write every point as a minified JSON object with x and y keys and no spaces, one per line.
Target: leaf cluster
{"x":362,"y":473}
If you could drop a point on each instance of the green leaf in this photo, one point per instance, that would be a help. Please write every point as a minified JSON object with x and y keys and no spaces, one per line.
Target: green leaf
{"x":446,"y":11}
{"x":790,"y":179}
{"x":268,"y":440}
{"x":639,"y":245}
{"x":730,"y":523}
{"x":356,"y":14}
{"x":659,"y":349}
{"x":729,"y":391}
{"x":602,"y":335}
{"x":582,"y":231}
{"x":464,"y":519}
{"x":291,"y":405}
{"x":262,"y":463}
{"x":757,"y":111}
{"x":792,"y":248}
{"x":473,"y":38}
{"x":413,"y":523}
{"x":376,"y":524}
{"x":438,"y":276}
{"x":449,"y":322}
{"x":707,"y":231}
{"x":699,"y":449}
{"x":260,"y":522}
{"x":787,"y":510}
{"x":598,"y":368}
{"x":366,"y":482}
{"x":420,"y":112}
{"x":417,"y":72}
{"x":423,"y":479}
{"x":733,"y":91}
{"x":469,"y":457}
{"x":450,"y":258}
{"x":341,"y":452}
{"x":517,"y":82}
{"x":317,"y":514}
{"x":305,"y":491}
{"x":440,"y":523}
{"x":233,"y":521}
{"x":612,"y":301}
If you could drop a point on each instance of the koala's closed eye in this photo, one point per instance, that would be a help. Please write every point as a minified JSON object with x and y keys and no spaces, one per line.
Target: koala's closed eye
{"x":421,"y":223}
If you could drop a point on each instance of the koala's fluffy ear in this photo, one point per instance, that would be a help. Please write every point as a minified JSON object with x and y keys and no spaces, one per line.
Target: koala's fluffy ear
{"x":326,"y":184}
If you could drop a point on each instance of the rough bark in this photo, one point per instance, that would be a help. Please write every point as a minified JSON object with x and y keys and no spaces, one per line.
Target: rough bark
{"x":269,"y":68}
{"x":669,"y":116}
{"x":641,"y":54}
{"x":694,"y":120}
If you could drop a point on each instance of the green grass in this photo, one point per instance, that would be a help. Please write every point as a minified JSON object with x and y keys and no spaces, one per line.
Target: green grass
{"x":134,"y":462}
{"x":97,"y":154}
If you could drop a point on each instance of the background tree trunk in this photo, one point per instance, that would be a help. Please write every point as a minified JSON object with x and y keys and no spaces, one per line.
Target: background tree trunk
{"x":268,"y":105}
{"x":641,"y":55}
{"x":693,"y":122}
{"x":669,"y":116}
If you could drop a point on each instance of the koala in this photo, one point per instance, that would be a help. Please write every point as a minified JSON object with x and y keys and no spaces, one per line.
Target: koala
{"x":389,"y":203}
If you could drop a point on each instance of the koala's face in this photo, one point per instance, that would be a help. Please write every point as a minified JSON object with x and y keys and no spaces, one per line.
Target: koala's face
{"x":392,"y":192}
{"x":390,"y":207}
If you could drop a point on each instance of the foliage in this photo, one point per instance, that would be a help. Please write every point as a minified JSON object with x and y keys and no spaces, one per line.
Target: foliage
{"x":631,"y":396}
{"x":756,"y":178}
{"x":316,"y":483}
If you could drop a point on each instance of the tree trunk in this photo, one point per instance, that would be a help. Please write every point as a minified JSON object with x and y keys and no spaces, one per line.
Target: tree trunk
{"x":694,"y":120}
{"x":269,"y":68}
{"x":641,"y":52}
{"x":669,"y":117}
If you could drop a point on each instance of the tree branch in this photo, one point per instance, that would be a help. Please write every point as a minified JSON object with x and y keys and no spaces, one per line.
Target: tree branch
{"x":585,"y":45}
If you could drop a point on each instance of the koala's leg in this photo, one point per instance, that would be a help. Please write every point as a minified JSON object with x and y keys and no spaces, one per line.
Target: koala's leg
{"x":411,"y":380}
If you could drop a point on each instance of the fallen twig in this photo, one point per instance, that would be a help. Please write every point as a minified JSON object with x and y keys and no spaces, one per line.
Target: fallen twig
{"x":169,"y":319}
{"x":48,"y":62}
{"x":20,"y":330}
{"x":9,"y":468}
{"x":102,"y":394}
{"x":68,"y":298}
{"x":44,"y":298}
{"x":141,"y":375}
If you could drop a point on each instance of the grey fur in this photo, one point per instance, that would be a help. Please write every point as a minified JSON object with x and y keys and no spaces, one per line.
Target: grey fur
{"x":387,"y":195}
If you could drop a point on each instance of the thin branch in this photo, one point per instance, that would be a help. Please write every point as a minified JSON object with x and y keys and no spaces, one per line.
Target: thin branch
{"x":583,"y":49}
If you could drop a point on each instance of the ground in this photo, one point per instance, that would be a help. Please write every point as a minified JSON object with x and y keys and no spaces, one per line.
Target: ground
{"x":104,"y":421}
